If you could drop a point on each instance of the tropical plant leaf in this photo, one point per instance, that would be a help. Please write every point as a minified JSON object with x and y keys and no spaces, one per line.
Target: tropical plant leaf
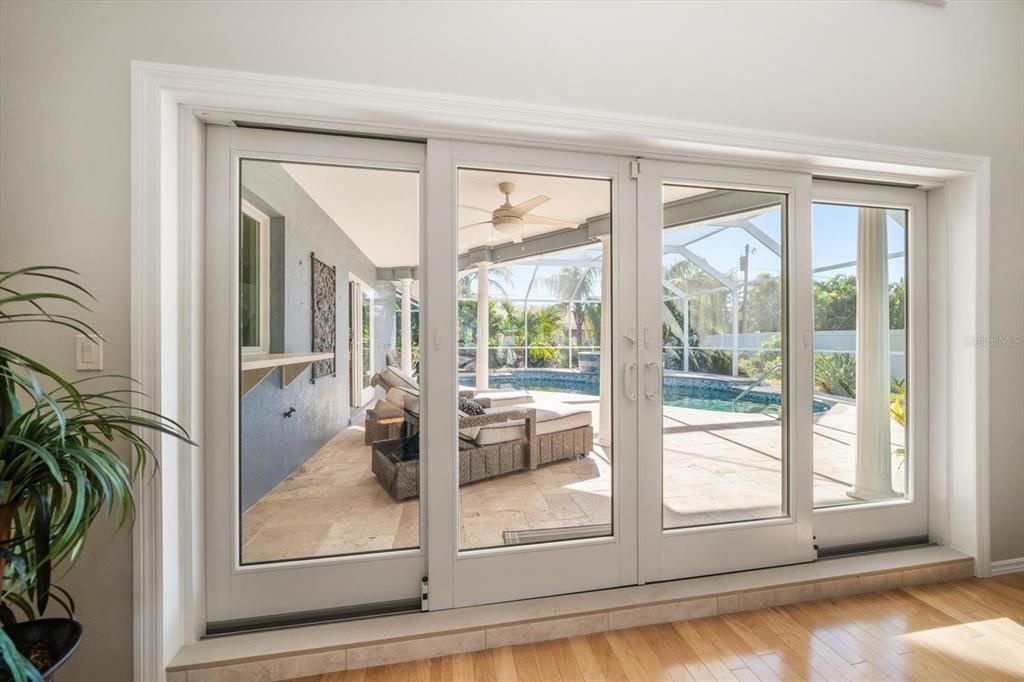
{"x":41,"y":548}
{"x":62,"y":449}
{"x":16,"y":665}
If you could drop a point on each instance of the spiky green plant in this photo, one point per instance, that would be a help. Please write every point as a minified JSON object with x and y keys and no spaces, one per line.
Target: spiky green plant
{"x":59,"y":455}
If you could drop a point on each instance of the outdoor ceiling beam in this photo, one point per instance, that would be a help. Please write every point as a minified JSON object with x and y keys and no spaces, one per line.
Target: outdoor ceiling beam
{"x":718,"y":204}
{"x":695,"y":294}
{"x":849,"y":264}
{"x":694,"y":239}
{"x":555,"y":260}
{"x":588,"y":232}
{"x":760,"y":235}
{"x":561,"y":240}
{"x":707,"y":267}
{"x":702,"y":208}
{"x":397,"y":274}
{"x":679,"y":293}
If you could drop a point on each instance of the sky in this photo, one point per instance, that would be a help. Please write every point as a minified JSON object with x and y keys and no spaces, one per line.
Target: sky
{"x":834,"y":241}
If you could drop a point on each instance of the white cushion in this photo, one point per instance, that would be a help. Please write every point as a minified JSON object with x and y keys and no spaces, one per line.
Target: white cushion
{"x":396,"y":378}
{"x":551,"y":418}
{"x":404,"y":399}
{"x":385,"y":409}
{"x":501,"y":398}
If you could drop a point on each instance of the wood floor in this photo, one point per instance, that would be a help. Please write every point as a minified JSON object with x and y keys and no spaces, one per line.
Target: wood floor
{"x":962,"y":630}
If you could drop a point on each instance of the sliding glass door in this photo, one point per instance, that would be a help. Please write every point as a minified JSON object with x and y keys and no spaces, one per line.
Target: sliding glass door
{"x":720,"y":426}
{"x":311,"y":496}
{"x":870,"y":365}
{"x":593,"y":371}
{"x":543,"y":471}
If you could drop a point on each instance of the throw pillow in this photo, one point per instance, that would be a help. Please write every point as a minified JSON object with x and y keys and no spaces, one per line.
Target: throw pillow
{"x":470,"y":406}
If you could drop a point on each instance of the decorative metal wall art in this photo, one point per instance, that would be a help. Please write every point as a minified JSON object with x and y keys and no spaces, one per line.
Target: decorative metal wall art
{"x":325,"y":317}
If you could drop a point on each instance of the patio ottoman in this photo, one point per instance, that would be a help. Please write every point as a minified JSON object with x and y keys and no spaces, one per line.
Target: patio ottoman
{"x":400,"y":477}
{"x":384,"y":421}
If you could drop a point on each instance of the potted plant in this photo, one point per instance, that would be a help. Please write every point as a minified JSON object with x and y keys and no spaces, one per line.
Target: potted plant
{"x":61,"y":465}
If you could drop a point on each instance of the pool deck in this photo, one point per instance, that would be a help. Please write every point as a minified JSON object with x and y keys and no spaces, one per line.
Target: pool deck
{"x":718,"y":467}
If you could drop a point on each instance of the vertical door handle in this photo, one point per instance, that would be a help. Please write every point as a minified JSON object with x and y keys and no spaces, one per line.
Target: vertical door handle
{"x":652,"y":395}
{"x":631,"y":371}
{"x":437,"y":339}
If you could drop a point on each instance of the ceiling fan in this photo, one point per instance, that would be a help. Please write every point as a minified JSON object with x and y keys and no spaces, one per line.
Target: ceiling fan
{"x":512,"y":220}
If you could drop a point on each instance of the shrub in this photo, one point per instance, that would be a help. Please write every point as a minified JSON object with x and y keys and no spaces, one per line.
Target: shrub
{"x":836,"y":374}
{"x":760,"y":363}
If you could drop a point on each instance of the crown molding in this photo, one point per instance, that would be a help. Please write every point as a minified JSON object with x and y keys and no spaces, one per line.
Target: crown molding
{"x":405,"y":112}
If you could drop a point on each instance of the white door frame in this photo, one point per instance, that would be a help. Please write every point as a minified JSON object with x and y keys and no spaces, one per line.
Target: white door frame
{"x":264,"y":288}
{"x":509,"y":573}
{"x":682,"y":552}
{"x":359,"y":395}
{"x":902,"y":518}
{"x":169,"y":104}
{"x":235,"y":591}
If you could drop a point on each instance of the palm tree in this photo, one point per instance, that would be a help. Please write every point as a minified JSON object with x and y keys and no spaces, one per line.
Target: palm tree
{"x":545,"y":324}
{"x":575,"y":284}
{"x":713,"y":308}
{"x":497,"y":279}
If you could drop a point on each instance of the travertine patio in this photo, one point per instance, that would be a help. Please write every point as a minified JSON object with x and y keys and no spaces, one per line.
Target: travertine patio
{"x":718,"y":467}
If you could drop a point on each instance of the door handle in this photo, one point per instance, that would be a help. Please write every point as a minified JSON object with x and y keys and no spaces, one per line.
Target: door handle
{"x":630,"y":369}
{"x":631,"y":337}
{"x":652,"y":395}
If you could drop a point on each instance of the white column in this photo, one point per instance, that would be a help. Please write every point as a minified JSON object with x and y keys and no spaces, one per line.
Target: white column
{"x":407,"y":326}
{"x":483,"y":361}
{"x":735,"y":334}
{"x":874,"y":449}
{"x":686,"y":333}
{"x":604,"y":418}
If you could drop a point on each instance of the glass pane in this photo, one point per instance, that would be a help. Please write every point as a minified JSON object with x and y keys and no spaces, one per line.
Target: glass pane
{"x":535,"y":466}
{"x":722,"y":334}
{"x":318,"y":477}
{"x":367,"y":330}
{"x":249,"y":282}
{"x":860,"y":363}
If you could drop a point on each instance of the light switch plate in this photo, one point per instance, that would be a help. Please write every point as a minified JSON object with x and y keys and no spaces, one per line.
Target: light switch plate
{"x":88,"y":354}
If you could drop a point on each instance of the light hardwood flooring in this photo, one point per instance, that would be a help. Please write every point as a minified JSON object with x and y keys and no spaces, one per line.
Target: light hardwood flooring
{"x":961,"y":630}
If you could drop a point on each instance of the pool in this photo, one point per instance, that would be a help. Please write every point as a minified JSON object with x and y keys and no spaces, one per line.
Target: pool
{"x":718,"y":405}
{"x":701,"y":392}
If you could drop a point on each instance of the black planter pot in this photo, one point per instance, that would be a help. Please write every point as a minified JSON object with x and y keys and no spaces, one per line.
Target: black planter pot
{"x":61,"y":635}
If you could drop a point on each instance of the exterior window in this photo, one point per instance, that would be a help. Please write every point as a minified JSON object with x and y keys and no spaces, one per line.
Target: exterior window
{"x":860,"y":364}
{"x":253,"y":280}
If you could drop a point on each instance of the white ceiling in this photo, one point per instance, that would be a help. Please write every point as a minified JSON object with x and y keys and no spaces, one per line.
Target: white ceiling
{"x":378,"y":209}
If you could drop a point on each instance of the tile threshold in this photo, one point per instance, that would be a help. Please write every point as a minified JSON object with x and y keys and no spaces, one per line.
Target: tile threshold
{"x":331,"y":647}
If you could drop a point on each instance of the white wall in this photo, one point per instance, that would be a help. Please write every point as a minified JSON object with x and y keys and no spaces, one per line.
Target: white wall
{"x":945,"y":77}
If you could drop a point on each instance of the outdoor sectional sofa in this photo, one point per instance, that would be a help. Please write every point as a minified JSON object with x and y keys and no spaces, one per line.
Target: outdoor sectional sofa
{"x":507,"y":438}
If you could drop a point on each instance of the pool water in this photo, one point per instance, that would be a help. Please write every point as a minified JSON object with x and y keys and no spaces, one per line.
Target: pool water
{"x":696,"y":392}
{"x":719,"y":405}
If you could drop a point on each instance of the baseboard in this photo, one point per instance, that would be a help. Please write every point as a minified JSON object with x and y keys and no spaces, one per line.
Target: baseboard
{"x":322,"y":649}
{"x":1008,"y":566}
